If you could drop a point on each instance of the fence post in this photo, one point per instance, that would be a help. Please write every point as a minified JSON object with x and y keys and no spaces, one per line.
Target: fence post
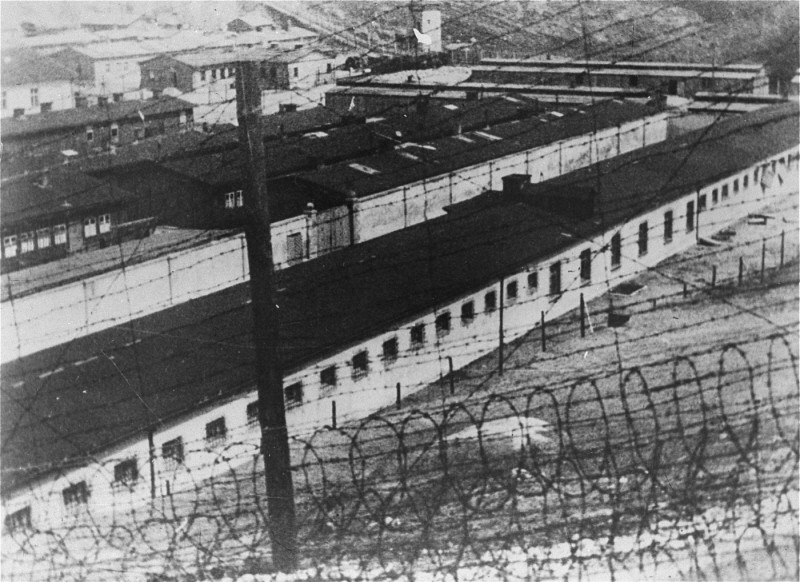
{"x":713,"y":276}
{"x":333,"y":414}
{"x":763,"y":257}
{"x":501,"y":340}
{"x":783,"y":240}
{"x":583,"y":317}
{"x":398,"y":396}
{"x":450,"y":375}
{"x":741,"y":270}
{"x":544,"y":336}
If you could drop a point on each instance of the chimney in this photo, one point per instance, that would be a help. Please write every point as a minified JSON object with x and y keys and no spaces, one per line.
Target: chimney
{"x":514,"y":184}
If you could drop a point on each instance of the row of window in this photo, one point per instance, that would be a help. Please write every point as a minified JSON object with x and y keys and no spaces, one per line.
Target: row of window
{"x":43,"y":238}
{"x":234,"y":199}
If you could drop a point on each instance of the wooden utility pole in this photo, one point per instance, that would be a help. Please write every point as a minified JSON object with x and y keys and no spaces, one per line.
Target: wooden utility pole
{"x":269,"y":373}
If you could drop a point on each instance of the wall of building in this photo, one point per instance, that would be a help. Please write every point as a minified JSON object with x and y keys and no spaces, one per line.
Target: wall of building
{"x":80,"y":139}
{"x":162,"y":72}
{"x":117,"y":75}
{"x":359,"y":394}
{"x":374,"y":216}
{"x":390,"y":210}
{"x":30,"y":98}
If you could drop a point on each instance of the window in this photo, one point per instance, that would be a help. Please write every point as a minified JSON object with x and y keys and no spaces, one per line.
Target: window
{"x":19,"y":520}
{"x":296,"y":72}
{"x":586,"y":265}
{"x":689,"y":216}
{"x":252,"y":412}
{"x":490,"y":301}
{"x":714,"y":196}
{"x":467,"y":312}
{"x":151,"y":74}
{"x":293,"y":395}
{"x":216,"y":431}
{"x":329,"y":67}
{"x":294,"y":247}
{"x":105,"y":223}
{"x":616,"y":251}
{"x":701,"y":204}
{"x":417,"y":335}
{"x":390,"y":350}
{"x":234,"y":199}
{"x":512,"y":290}
{"x":172,"y":453}
{"x":755,"y":175}
{"x":43,"y":238}
{"x":360,"y":364}
{"x":182,"y":118}
{"x":75,"y":495}
{"x":89,"y":134}
{"x":89,"y":227}
{"x":26,"y":242}
{"x":643,"y":239}
{"x":114,"y":132}
{"x":555,"y":278}
{"x":668,"y":226}
{"x":327,"y":377}
{"x":60,"y":234}
{"x":746,"y":181}
{"x":725,"y":191}
{"x":214,"y":74}
{"x":34,"y":97}
{"x":126,"y":472}
{"x":533,"y":282}
{"x":443,"y":323}
{"x":10,"y":246}
{"x":5,"y":100}
{"x":735,"y":188}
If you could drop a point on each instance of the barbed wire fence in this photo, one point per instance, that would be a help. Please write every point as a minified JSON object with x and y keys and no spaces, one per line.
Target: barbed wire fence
{"x":685,"y":466}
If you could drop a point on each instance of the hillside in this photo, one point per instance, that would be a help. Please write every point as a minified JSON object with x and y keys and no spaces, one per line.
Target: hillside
{"x":758,"y":31}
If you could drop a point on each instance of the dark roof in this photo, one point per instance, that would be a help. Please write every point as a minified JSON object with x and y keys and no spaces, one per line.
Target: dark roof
{"x":200,"y":352}
{"x":294,"y":122}
{"x":54,"y":120}
{"x":56,"y":192}
{"x":451,"y":153}
{"x":25,"y":67}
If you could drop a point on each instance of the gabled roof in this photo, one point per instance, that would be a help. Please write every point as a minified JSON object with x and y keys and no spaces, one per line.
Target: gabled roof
{"x":201,"y":352}
{"x":99,"y":114}
{"x":254,"y":20}
{"x":25,"y":67}
{"x":59,"y":191}
{"x":451,"y":153}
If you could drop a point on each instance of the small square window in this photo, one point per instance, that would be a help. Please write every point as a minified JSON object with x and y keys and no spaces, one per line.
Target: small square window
{"x":690,"y":216}
{"x":701,"y":205}
{"x":43,"y":238}
{"x":172,"y":453}
{"x":735,"y":186}
{"x":296,"y":72}
{"x":89,"y":134}
{"x":75,"y":495}
{"x":360,"y":364}
{"x":443,"y":323}
{"x":104,"y":221}
{"x":512,"y":290}
{"x":19,"y":520}
{"x":89,"y":227}
{"x":252,"y":412}
{"x":467,"y":312}
{"x":293,"y":395}
{"x":27,"y":242}
{"x":390,"y":350}
{"x":126,"y":472}
{"x":725,"y":191}
{"x":533,"y":282}
{"x":746,"y":181}
{"x":714,"y":196}
{"x":10,"y":246}
{"x":216,"y":431}
{"x":616,"y":251}
{"x":327,"y":377}
{"x":60,"y":234}
{"x":490,"y":301}
{"x":417,"y":335}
